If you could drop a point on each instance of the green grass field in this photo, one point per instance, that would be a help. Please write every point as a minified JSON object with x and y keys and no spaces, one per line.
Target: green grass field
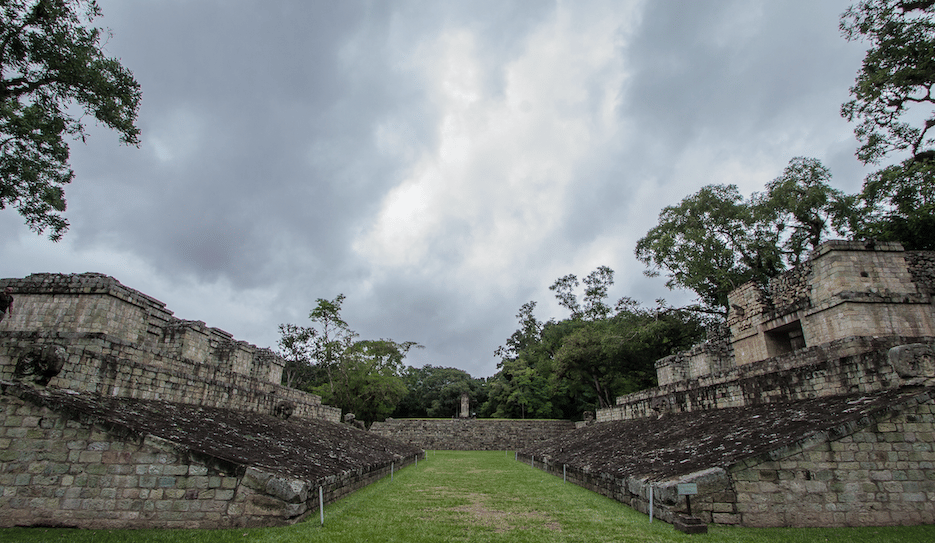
{"x":475,"y":496}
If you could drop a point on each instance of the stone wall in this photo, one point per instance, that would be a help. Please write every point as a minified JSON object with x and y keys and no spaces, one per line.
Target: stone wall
{"x":845,"y":289}
{"x":67,"y":463}
{"x":881,"y":475}
{"x":471,"y":434}
{"x":807,"y":463}
{"x":856,"y":364}
{"x":117,"y":341}
{"x":822,"y":328}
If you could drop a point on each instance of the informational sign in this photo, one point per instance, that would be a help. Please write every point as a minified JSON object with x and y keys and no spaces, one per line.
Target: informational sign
{"x":687,"y":489}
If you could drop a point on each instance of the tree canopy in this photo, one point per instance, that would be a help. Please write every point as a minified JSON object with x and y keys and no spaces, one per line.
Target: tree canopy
{"x":435,"y":392}
{"x":558,"y":369}
{"x":363,"y":377}
{"x":715,"y":240}
{"x":50,"y":62}
{"x":894,"y":108}
{"x":896,"y":78}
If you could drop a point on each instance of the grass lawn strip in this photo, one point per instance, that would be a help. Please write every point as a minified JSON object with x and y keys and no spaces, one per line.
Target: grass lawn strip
{"x":476,"y":497}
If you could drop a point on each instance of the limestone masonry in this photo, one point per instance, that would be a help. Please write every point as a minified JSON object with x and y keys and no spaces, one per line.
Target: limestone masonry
{"x":116,"y":414}
{"x":813,"y":406}
{"x":471,"y":434}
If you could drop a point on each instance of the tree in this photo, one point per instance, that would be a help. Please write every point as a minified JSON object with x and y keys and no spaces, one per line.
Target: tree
{"x":529,"y":330}
{"x":714,"y":240}
{"x":711,"y":243}
{"x":892,"y":104}
{"x":617,"y":355}
{"x":51,"y":61}
{"x":361,"y":377}
{"x":295,"y":348}
{"x":367,"y":379}
{"x":596,"y":285}
{"x":562,"y":368}
{"x":897,"y":74}
{"x":898,"y":204}
{"x":803,"y":208}
{"x":434,"y":391}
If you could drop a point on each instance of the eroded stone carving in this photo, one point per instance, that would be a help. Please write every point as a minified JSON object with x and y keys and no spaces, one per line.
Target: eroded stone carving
{"x":40,"y":363}
{"x":913,"y":360}
{"x":351,"y":419}
{"x":284,"y":409}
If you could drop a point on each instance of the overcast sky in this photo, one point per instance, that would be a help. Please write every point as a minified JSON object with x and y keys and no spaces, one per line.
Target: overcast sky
{"x":439,"y":163}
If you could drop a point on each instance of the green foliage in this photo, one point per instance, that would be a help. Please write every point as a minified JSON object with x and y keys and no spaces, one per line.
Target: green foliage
{"x":363,"y":377}
{"x":711,"y":243}
{"x":893,"y":107}
{"x":898,"y":204}
{"x":617,"y":355}
{"x":714,"y":240}
{"x":803,"y":207}
{"x":558,"y":369}
{"x":896,"y":78}
{"x":435,"y":392}
{"x":50,"y":62}
{"x":367,"y":380}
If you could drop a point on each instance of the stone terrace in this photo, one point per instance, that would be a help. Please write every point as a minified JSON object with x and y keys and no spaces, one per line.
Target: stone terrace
{"x":843,"y":460}
{"x":813,"y":406}
{"x":88,"y":461}
{"x":116,"y":414}
{"x":464,"y":434}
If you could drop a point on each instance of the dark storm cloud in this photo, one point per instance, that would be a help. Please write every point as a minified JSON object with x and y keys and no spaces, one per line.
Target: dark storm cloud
{"x":440,"y":163}
{"x":727,"y":69}
{"x":257,"y":122}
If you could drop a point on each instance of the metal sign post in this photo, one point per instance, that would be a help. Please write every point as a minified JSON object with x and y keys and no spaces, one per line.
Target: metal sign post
{"x":688,"y":490}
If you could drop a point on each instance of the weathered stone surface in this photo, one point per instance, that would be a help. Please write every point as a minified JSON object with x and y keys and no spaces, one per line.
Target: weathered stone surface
{"x":914,"y":360}
{"x":690,"y":525}
{"x":828,"y":461}
{"x":40,"y":363}
{"x":103,"y":462}
{"x":845,"y":289}
{"x":120,"y":342}
{"x":471,"y":434}
{"x":682,"y":443}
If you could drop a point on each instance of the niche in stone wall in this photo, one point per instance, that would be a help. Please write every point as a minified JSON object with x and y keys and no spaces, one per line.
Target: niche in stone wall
{"x":785,"y":339}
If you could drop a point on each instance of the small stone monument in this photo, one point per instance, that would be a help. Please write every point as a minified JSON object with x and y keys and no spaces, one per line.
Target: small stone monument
{"x":465,"y":406}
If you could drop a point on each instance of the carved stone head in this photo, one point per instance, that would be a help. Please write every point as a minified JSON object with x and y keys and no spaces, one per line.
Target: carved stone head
{"x":40,"y":363}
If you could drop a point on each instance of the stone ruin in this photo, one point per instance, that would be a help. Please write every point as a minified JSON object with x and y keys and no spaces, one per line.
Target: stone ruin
{"x":813,"y":406}
{"x":116,"y":414}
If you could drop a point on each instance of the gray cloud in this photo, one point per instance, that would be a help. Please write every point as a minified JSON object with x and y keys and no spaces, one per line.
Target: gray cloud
{"x":440,"y":163}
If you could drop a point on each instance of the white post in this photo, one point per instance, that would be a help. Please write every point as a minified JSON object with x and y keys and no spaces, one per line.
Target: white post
{"x":321,"y":504}
{"x":392,"y":468}
{"x":564,"y":476}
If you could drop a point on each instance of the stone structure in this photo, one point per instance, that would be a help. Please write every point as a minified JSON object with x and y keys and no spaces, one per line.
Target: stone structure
{"x":822,"y":328}
{"x":87,"y":461}
{"x":116,"y":341}
{"x":813,"y":406}
{"x":471,"y":434}
{"x":115,"y":414}
{"x":465,"y":406}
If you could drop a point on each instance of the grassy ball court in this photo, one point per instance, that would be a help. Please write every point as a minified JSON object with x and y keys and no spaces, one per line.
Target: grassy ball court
{"x":474,"y":496}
